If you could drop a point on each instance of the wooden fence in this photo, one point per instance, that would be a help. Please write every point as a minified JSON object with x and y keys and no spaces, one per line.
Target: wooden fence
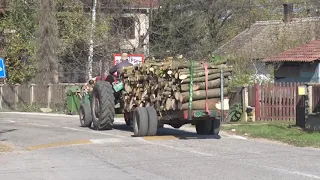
{"x":315,"y":98}
{"x":11,"y":96}
{"x":274,"y":102}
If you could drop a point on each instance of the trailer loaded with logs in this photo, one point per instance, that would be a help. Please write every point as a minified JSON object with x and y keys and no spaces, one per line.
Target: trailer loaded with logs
{"x":173,"y":92}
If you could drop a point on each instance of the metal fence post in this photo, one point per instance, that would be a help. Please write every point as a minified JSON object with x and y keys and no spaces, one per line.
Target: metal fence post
{"x":31,"y":93}
{"x":1,"y":95}
{"x":49,"y":95}
{"x":310,"y":98}
{"x":245,"y":103}
{"x":16,"y":95}
{"x":222,"y":94}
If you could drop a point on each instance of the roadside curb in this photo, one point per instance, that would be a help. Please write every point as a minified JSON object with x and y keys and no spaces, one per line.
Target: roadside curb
{"x":116,"y":119}
{"x":40,"y":114}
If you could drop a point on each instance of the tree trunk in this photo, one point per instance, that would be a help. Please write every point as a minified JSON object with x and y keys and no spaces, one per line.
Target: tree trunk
{"x":203,"y":78}
{"x":202,"y":85}
{"x":201,"y":104}
{"x":203,"y":73}
{"x":201,"y":94}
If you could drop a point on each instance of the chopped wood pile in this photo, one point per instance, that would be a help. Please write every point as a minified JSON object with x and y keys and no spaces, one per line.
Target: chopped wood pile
{"x":165,"y":85}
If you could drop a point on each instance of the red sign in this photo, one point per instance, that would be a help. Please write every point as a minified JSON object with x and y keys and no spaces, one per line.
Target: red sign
{"x":132,"y":58}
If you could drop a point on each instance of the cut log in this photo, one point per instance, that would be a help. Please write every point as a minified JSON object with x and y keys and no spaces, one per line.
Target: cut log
{"x":201,"y":104}
{"x":202,"y":85}
{"x":198,"y":69}
{"x":169,"y":105}
{"x":202,"y":79}
{"x":202,"y":73}
{"x":201,"y":94}
{"x":165,"y":84}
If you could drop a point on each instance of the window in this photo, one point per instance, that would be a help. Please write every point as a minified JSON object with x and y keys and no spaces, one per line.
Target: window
{"x":126,"y":27}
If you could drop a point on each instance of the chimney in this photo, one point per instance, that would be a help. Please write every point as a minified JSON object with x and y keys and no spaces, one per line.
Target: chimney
{"x":287,"y":11}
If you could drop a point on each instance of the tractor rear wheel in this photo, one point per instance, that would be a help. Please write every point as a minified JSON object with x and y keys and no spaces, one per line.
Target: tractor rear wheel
{"x":102,"y":106}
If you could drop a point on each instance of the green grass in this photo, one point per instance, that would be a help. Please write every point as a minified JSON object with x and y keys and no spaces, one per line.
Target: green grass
{"x":283,"y":132}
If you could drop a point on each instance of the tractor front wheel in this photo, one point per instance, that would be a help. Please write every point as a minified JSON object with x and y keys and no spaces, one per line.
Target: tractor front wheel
{"x":85,"y":115}
{"x":102,"y":106}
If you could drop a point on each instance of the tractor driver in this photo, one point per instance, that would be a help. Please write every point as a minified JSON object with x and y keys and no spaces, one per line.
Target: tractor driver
{"x":124,"y":62}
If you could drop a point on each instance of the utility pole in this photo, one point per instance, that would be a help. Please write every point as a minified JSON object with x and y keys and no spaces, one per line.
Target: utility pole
{"x":93,"y":21}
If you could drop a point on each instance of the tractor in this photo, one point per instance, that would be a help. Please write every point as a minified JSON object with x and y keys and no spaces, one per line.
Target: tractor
{"x":100,"y":104}
{"x":101,"y":100}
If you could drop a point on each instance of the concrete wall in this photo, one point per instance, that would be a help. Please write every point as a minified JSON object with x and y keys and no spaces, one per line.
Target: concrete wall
{"x":298,"y":72}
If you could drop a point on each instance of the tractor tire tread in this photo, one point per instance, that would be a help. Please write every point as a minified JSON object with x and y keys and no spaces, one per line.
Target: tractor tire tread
{"x":106,"y":104}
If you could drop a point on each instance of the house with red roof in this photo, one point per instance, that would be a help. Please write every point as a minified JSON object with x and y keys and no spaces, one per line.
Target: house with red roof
{"x":265,"y":39}
{"x":299,"y":64}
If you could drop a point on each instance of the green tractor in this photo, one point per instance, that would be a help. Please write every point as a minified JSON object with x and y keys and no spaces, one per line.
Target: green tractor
{"x":98,"y":106}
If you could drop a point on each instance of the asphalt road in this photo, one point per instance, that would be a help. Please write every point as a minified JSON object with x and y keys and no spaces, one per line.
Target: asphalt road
{"x":55,"y":147}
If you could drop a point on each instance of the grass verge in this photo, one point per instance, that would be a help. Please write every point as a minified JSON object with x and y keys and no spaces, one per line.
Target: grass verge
{"x":283,"y":132}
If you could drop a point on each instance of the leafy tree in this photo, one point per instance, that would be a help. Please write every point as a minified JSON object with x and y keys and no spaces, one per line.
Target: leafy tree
{"x":19,"y":43}
{"x":74,"y":23}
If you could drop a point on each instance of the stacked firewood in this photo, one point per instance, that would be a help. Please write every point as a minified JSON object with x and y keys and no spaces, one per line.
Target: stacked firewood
{"x":165,"y":85}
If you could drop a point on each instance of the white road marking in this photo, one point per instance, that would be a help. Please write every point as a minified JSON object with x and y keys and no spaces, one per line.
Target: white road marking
{"x":236,"y":137}
{"x":176,"y":148}
{"x":292,"y":172}
{"x":40,"y":114}
{"x":211,"y":155}
{"x":41,"y":125}
{"x":8,"y":122}
{"x":74,"y":129}
{"x":95,"y":132}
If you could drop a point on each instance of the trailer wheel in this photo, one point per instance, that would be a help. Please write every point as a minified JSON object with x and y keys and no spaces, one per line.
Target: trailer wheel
{"x":215,"y":127}
{"x":85,"y":115}
{"x":140,"y":122}
{"x":102,"y":106}
{"x":152,"y":121}
{"x":204,"y":127}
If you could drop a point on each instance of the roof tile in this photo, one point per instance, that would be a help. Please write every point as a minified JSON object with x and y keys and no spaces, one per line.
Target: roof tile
{"x":305,"y":53}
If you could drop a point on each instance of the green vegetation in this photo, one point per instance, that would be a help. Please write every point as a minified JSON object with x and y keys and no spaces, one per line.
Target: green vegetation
{"x":20,"y":42}
{"x":281,"y":131}
{"x":52,"y":36}
{"x":235,"y":112}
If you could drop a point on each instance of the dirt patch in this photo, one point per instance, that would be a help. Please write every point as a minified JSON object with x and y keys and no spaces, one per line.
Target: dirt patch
{"x":5,"y":148}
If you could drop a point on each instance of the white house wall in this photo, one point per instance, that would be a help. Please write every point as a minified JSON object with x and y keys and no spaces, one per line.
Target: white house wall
{"x":142,"y":26}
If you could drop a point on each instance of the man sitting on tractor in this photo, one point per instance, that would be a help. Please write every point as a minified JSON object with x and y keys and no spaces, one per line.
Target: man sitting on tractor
{"x":124,"y":62}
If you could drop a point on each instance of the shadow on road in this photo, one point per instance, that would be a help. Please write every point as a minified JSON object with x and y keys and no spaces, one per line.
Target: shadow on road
{"x":178,"y":133}
{"x":3,"y":131}
{"x":7,"y":130}
{"x":123,"y":127}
